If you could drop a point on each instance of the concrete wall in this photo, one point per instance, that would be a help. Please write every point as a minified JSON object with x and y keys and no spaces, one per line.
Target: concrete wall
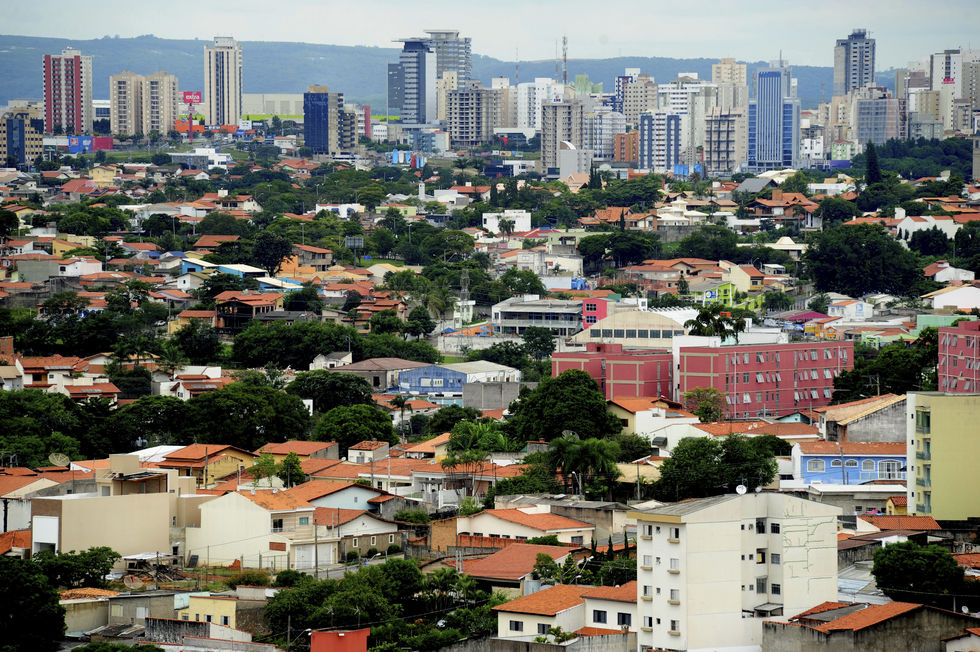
{"x":884,"y":425}
{"x":607,"y":522}
{"x":611,"y":643}
{"x":168,"y":630}
{"x":233,"y":527}
{"x":675,"y":233}
{"x":492,"y":396}
{"x":83,"y":615}
{"x":129,"y":608}
{"x":569,"y":620}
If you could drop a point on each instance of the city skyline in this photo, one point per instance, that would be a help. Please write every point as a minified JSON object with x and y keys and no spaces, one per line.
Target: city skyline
{"x":591,"y":35}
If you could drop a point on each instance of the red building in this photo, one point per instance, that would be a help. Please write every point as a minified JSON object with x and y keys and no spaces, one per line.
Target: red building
{"x":68,"y":92}
{"x":959,"y":358}
{"x":766,"y":379}
{"x":620,"y":373}
{"x":340,"y":641}
{"x":594,"y":309}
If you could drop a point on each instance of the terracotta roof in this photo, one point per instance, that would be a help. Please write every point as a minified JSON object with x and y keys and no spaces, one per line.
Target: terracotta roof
{"x":900,"y":500}
{"x":295,"y":446}
{"x":902,"y":522}
{"x":319,"y":488}
{"x":368,"y":445}
{"x":87,"y":592}
{"x":337,"y":516}
{"x":870,"y":615}
{"x":623,"y":593}
{"x":597,"y":631}
{"x":891,"y":449}
{"x":9,"y":483}
{"x":544,"y":522}
{"x":757,"y":428}
{"x":14,"y":539}
{"x":275,"y":501}
{"x":429,"y":445}
{"x":548,"y":602}
{"x":200,"y":451}
{"x":313,"y":465}
{"x":820,"y":608}
{"x":513,"y":562}
{"x":968,"y":559}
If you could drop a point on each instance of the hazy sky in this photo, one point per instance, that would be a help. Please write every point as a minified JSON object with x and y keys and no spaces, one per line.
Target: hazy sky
{"x":746,"y":29}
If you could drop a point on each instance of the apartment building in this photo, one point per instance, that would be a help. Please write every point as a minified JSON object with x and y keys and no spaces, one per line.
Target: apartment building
{"x":941,"y":432}
{"x":472,"y":114}
{"x":513,"y":316}
{"x":599,"y":129}
{"x":727,"y":70}
{"x":126,"y":103}
{"x":725,"y":141}
{"x":223,"y":81}
{"x":560,"y":122}
{"x":67,"y":92}
{"x":766,"y":379}
{"x":323,"y":122}
{"x":626,"y":147}
{"x":959,"y":358}
{"x":661,"y":140}
{"x":160,"y":102}
{"x":774,"y":120}
{"x":710,"y":571}
{"x":21,"y":134}
{"x":854,"y":62}
{"x":639,"y":96}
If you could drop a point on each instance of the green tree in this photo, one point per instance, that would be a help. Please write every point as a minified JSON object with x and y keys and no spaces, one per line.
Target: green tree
{"x":872,"y":173}
{"x":523,"y":282}
{"x":930,"y":242}
{"x":290,"y":471}
{"x":307,"y":299}
{"x":330,"y":389}
{"x":445,"y":419}
{"x":860,"y":259}
{"x":386,"y":322}
{"x":247,"y":416}
{"x":348,"y":425}
{"x":38,"y":423}
{"x":707,"y":403}
{"x":270,"y":250}
{"x":34,"y":616}
{"x":571,"y":401}
{"x":819,"y":303}
{"x":539,"y":342}
{"x":776,"y":301}
{"x":199,"y":341}
{"x":588,"y":466}
{"x":834,"y":210}
{"x":799,"y":182}
{"x":156,"y":420}
{"x":711,"y":242}
{"x":223,"y":224}
{"x":419,"y":322}
{"x":263,"y":467}
{"x":908,"y":572}
{"x":703,"y":466}
{"x":412,"y":516}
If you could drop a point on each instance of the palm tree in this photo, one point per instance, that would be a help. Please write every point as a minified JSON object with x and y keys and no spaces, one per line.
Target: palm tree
{"x":715,"y":320}
{"x":506,"y":227}
{"x":438,"y":300}
{"x":401,"y":403}
{"x":171,"y":359}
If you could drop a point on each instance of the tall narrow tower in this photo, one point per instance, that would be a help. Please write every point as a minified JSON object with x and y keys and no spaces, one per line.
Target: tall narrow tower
{"x":223,"y":81}
{"x":854,"y":62}
{"x":453,"y":54}
{"x":774,"y":120}
{"x":68,"y":92}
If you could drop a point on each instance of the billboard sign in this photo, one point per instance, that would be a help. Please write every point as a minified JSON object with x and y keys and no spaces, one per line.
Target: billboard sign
{"x":192,"y":97}
{"x":79,"y":144}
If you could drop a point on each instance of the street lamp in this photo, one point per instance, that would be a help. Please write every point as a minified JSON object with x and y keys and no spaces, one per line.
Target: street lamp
{"x":289,"y":641}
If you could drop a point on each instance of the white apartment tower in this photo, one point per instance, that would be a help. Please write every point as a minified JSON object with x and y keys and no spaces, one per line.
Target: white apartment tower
{"x":560,"y":122}
{"x":639,"y":96}
{"x":223,"y":85}
{"x":126,"y":103}
{"x":710,"y":571}
{"x":453,"y":54}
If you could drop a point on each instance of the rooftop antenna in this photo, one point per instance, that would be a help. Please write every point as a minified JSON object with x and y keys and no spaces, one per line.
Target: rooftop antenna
{"x":564,"y":60}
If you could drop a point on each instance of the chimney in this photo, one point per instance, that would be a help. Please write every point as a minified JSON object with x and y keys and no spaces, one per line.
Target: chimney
{"x":777,"y":194}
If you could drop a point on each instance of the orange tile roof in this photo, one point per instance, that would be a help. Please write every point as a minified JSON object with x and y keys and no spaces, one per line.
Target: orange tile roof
{"x":548,"y":602}
{"x":513,"y":562}
{"x":597,"y":631}
{"x":902,"y":522}
{"x":14,"y":539}
{"x":295,"y":446}
{"x":275,"y":501}
{"x":544,"y":522}
{"x":200,"y":451}
{"x":9,"y":483}
{"x":368,"y":445}
{"x":901,"y":500}
{"x":86,"y":593}
{"x":314,"y":464}
{"x":870,"y":615}
{"x":319,"y":488}
{"x":429,"y":445}
{"x":893,"y":449}
{"x":757,"y":428}
{"x":337,"y":515}
{"x":862,"y":401}
{"x":968,"y":559}
{"x":820,"y":608}
{"x":623,"y":593}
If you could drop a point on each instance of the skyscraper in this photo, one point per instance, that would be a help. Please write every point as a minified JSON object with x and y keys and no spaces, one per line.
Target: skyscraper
{"x":159,"y":102}
{"x":67,"y":92}
{"x":223,"y":81}
{"x":661,"y":136}
{"x":418,"y":73}
{"x":324,"y":129}
{"x":727,"y":70}
{"x":774,"y":120}
{"x":453,"y":54}
{"x":126,"y":103}
{"x":854,"y":62}
{"x":560,"y":122}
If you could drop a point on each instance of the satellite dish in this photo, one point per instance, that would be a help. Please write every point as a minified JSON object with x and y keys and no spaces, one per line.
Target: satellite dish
{"x":59,"y":459}
{"x":964,"y":609}
{"x":132,"y":582}
{"x":740,"y":490}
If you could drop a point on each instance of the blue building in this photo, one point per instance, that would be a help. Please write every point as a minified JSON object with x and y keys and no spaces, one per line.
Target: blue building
{"x":774,"y":121}
{"x":848,"y":463}
{"x":660,"y":140}
{"x":327,"y":128}
{"x":450,"y":378}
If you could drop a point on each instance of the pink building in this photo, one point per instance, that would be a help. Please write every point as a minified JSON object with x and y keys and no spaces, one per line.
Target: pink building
{"x":594,"y":309}
{"x":67,"y":92}
{"x":766,"y":379}
{"x":620,"y":373}
{"x":959,"y":358}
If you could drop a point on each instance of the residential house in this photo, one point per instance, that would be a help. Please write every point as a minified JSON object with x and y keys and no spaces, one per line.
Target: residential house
{"x":356,"y":530}
{"x":402,"y":415}
{"x":850,"y":627}
{"x":208,"y":462}
{"x":324,"y":361}
{"x":878,"y":418}
{"x":897,"y":505}
{"x":941,"y":432}
{"x":942,"y":272}
{"x":508,"y":569}
{"x":609,"y":518}
{"x":847,"y":462}
{"x":227,"y":610}
{"x":962,"y":297}
{"x":709,"y":291}
{"x":237,"y":309}
{"x":186,"y":317}
{"x":851,"y":310}
{"x":366,"y":452}
{"x":524,"y":523}
{"x":318,"y":258}
{"x":381,"y":373}
{"x":710,"y":570}
{"x":603,"y":610}
{"x":327,"y":450}
{"x":434,"y":448}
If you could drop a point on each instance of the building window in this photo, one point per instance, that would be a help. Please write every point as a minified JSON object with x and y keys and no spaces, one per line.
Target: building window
{"x":851,"y":464}
{"x":647,"y":561}
{"x":923,"y":421}
{"x":354,"y":545}
{"x":225,"y":621}
{"x":277,"y":525}
{"x":624,"y":619}
{"x":675,"y":533}
{"x":675,"y":564}
{"x":304,"y":520}
{"x":760,"y":585}
{"x":648,"y":530}
{"x":835,"y":464}
{"x":647,"y":591}
{"x":815,"y":466}
{"x":774,"y":589}
{"x":675,"y":595}
{"x":542,"y":628}
{"x":675,"y":625}
{"x":598,"y":616}
{"x":648,"y":621}
{"x":578,"y":540}
{"x":207,"y":618}
{"x":868,"y":465}
{"x":517,"y":625}
{"x":373,"y":540}
{"x":590,"y":319}
{"x":775,"y":558}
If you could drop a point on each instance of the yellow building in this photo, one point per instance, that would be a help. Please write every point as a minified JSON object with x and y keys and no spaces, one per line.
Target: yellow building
{"x":104,"y":176}
{"x":941,"y":434}
{"x":897,"y":506}
{"x":217,"y":609}
{"x":208,"y":462}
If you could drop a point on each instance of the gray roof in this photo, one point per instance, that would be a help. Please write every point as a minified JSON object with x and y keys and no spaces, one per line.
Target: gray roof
{"x":381,"y":364}
{"x":690,"y":506}
{"x":476,"y":366}
{"x":754,"y":185}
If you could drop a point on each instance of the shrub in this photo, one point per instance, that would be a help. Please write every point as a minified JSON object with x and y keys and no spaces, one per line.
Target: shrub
{"x":372,"y":552}
{"x":394,"y":549}
{"x":412,"y":516}
{"x":249,"y":578}
{"x":290,"y":577}
{"x":352,"y":555}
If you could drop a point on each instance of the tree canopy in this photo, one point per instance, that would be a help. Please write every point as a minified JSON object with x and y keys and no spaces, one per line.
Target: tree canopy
{"x":571,"y":401}
{"x":704,"y":466}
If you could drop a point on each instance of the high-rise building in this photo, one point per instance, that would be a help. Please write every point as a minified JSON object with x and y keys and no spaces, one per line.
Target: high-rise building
{"x":774,"y":121}
{"x":447,"y":82}
{"x":710,"y":571}
{"x":639,"y":95}
{"x":875,"y":116}
{"x":67,"y":92}
{"x":126,"y":103}
{"x":160,"y":102}
{"x":958,"y":368}
{"x":599,"y":131}
{"x":21,"y":135}
{"x":531,"y":96}
{"x":627,"y":147}
{"x":453,"y":54}
{"x":854,"y":62}
{"x":690,"y":97}
{"x":396,"y":88}
{"x":418,"y":72}
{"x":223,"y":85}
{"x":942,"y":444}
{"x":561,"y":121}
{"x":324,"y":129}
{"x":472,"y":114}
{"x":725,"y":141}
{"x":661,"y":137}
{"x":728,"y":71}
{"x":630,"y":75}
{"x":947,"y":68}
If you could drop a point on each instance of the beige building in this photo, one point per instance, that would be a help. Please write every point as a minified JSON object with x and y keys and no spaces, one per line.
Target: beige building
{"x":126,"y":103}
{"x":561,"y":122}
{"x":472,"y":115}
{"x":727,"y":70}
{"x":524,"y":523}
{"x":725,"y":141}
{"x":639,"y":96}
{"x":223,"y":81}
{"x":134,"y":510}
{"x":710,"y":571}
{"x":160,"y":103}
{"x":637,"y":329}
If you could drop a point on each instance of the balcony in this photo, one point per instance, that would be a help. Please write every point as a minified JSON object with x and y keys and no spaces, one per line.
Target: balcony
{"x":674,"y":571}
{"x":923,"y":455}
{"x":673,"y":602}
{"x":673,"y":632}
{"x":673,"y":540}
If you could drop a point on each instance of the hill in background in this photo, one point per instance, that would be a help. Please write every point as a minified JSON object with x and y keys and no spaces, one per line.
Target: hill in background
{"x":359,"y":71}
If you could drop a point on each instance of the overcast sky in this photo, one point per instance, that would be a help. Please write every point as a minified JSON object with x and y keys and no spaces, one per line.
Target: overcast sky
{"x":749,"y":30}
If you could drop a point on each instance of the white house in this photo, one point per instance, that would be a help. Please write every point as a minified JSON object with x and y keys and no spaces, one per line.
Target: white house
{"x":942,"y":272}
{"x":79,"y":266}
{"x":851,"y":310}
{"x":570,"y":607}
{"x":963,"y":297}
{"x":520,"y":221}
{"x":524,"y":523}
